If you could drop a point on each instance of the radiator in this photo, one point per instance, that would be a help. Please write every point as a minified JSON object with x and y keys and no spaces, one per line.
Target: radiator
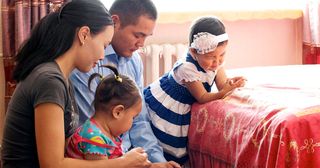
{"x":159,"y":59}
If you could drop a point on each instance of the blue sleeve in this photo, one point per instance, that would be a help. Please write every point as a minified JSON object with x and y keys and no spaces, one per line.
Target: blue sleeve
{"x":83,"y":96}
{"x":141,"y":134}
{"x":139,"y":78}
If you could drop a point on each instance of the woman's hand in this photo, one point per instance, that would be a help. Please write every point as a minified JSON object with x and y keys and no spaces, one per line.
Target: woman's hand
{"x":170,"y":164}
{"x":137,"y":158}
{"x":173,"y":164}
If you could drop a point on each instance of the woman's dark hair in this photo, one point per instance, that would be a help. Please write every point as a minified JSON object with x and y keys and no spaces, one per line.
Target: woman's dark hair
{"x":114,"y":89}
{"x":54,"y":34}
{"x":208,"y":24}
{"x":130,"y":10}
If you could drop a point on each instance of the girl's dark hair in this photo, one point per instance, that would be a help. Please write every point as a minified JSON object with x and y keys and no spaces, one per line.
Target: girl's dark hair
{"x":208,"y":24}
{"x":130,"y":10}
{"x":54,"y":34}
{"x":113,"y":90}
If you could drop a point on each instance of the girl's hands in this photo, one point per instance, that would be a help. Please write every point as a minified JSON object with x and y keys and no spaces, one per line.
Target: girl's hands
{"x":137,"y":158}
{"x":232,"y":84}
{"x":238,"y":81}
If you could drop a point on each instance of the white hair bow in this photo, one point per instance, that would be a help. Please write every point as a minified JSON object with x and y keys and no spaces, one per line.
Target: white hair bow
{"x":205,"y":42}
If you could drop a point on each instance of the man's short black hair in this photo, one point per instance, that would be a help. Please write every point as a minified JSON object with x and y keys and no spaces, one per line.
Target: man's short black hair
{"x":130,"y":10}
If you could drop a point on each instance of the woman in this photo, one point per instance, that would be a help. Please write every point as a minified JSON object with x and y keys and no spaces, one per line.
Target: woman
{"x":42,"y":111}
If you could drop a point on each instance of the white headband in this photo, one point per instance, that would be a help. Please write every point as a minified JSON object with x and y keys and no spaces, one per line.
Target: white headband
{"x":205,"y":42}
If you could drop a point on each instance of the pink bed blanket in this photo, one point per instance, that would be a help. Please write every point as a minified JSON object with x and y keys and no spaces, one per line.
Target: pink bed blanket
{"x":261,"y":126}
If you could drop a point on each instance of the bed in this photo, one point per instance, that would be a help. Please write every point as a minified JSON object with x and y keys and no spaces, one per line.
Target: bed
{"x":274,"y":121}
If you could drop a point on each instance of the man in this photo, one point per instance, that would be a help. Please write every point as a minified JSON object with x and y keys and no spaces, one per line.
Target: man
{"x":134,"y":21}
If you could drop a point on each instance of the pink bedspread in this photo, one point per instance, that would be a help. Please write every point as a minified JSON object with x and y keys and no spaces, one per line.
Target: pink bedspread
{"x":270,"y":124}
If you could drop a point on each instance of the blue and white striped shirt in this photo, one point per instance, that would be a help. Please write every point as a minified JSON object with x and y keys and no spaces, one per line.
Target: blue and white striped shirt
{"x":169,"y":104}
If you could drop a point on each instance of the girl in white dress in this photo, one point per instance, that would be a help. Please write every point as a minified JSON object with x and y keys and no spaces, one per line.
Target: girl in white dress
{"x":169,"y":99}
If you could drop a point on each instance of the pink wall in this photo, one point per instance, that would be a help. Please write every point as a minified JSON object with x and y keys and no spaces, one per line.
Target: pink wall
{"x":258,"y":42}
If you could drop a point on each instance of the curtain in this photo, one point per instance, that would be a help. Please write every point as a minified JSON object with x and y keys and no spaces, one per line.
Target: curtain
{"x":18,"y":18}
{"x":311,"y":39}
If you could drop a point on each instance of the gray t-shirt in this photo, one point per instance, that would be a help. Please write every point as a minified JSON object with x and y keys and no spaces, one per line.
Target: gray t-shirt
{"x":45,"y":84}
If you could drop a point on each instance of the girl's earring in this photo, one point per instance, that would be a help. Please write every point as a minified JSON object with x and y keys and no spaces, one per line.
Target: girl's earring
{"x":82,"y":43}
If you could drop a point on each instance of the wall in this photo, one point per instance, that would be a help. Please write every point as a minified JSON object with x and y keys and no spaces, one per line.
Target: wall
{"x":253,"y":42}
